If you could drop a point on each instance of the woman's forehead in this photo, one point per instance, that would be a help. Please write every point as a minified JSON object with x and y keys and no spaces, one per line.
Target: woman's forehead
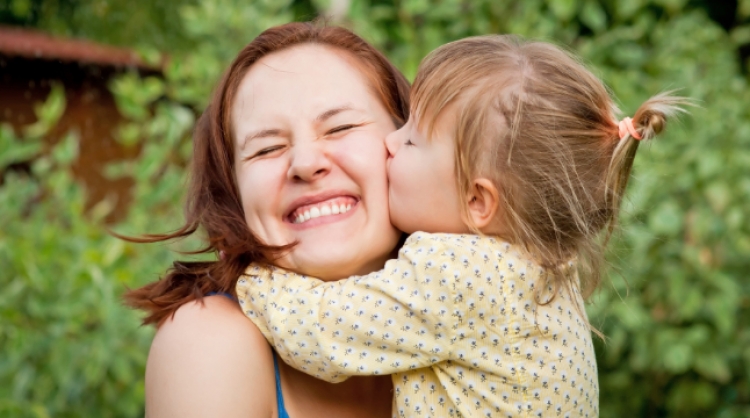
{"x":303,"y":81}
{"x":306,"y":67}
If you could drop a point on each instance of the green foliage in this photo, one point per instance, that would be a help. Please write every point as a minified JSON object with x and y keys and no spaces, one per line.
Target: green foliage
{"x":146,"y":25}
{"x":69,"y":347}
{"x":685,"y":248}
{"x":677,"y":307}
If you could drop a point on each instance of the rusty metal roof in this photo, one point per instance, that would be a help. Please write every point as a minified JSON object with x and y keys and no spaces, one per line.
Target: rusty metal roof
{"x":15,"y":41}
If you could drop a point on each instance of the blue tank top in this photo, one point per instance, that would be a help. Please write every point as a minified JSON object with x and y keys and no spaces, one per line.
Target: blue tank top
{"x":279,"y":395}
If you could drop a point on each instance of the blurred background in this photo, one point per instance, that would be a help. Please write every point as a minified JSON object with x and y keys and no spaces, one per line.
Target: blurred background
{"x":98,"y":99}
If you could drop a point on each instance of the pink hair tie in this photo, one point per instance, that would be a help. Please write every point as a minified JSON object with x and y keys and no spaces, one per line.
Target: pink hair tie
{"x":626,"y":126}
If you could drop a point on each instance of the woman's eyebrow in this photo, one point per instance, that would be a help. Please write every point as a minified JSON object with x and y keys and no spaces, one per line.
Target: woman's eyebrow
{"x":332,"y":112}
{"x":263,"y":133}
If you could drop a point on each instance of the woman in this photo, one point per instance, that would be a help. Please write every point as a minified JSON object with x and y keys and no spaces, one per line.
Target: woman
{"x":297,"y":123}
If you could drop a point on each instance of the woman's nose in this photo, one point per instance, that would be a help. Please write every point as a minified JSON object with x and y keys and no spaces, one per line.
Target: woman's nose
{"x":309,"y":163}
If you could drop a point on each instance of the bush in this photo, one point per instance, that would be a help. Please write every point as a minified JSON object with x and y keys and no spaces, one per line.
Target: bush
{"x":69,"y":347}
{"x":675,"y":311}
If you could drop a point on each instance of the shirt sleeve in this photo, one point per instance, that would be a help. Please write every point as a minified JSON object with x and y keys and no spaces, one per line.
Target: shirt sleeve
{"x":397,"y":319}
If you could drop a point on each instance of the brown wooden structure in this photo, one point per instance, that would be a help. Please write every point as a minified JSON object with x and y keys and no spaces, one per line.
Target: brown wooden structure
{"x":30,"y":61}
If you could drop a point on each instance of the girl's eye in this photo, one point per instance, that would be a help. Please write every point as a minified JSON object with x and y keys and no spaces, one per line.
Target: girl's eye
{"x":408,"y":142}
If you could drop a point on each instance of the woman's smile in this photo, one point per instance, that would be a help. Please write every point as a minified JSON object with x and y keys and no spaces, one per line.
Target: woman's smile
{"x":311,"y":211}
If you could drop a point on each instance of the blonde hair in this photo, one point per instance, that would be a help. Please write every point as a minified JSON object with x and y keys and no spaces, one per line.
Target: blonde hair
{"x":531,"y":118}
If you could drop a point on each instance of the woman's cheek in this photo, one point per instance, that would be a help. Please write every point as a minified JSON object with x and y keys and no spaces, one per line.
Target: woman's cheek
{"x":364,"y":158}
{"x":362,"y":145}
{"x":260,"y":185}
{"x":398,"y":172}
{"x":403,"y":197}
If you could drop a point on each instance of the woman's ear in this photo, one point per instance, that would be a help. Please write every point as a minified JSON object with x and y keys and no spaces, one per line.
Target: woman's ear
{"x":483,"y":201}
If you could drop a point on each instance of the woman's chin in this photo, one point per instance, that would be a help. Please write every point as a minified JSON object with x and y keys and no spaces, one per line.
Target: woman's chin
{"x":333,"y":260}
{"x":331,"y":256}
{"x":335,"y":247}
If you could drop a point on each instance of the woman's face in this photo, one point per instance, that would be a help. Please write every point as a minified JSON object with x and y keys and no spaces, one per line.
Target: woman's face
{"x":310,"y":161}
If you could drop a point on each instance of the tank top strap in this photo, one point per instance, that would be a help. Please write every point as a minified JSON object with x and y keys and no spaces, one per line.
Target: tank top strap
{"x":226,"y":295}
{"x":279,"y":396}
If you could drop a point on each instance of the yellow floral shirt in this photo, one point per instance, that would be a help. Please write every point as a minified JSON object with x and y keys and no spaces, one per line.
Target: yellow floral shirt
{"x":454,"y":321}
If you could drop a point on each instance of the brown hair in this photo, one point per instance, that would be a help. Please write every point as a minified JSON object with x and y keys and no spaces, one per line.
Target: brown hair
{"x":531,"y":118}
{"x":213,"y":201}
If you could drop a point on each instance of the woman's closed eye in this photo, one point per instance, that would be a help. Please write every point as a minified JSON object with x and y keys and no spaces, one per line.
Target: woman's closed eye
{"x":341,"y":128}
{"x":266,"y":151}
{"x":408,"y":142}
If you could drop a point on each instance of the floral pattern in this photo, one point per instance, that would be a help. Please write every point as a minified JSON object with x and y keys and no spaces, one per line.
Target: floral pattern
{"x":454,"y":321}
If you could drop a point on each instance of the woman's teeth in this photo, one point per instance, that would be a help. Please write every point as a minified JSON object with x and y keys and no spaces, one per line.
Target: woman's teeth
{"x":322,"y":210}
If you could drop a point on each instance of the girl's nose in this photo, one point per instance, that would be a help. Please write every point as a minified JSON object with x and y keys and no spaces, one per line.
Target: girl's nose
{"x":392,"y":142}
{"x":309,"y":163}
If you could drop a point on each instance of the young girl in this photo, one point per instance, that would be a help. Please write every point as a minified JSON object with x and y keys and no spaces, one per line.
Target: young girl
{"x":513,"y":166}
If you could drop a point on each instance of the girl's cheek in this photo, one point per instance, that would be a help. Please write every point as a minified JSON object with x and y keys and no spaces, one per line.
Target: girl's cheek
{"x":395,"y":175}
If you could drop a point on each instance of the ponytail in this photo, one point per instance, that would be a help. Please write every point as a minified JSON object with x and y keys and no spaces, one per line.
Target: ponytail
{"x":649,"y":121}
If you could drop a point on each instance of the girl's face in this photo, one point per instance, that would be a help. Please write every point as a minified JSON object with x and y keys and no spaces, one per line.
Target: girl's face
{"x":310,"y":161}
{"x":423,"y":193}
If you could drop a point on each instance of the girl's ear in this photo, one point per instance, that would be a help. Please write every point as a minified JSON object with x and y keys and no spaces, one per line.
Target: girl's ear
{"x":483,"y":201}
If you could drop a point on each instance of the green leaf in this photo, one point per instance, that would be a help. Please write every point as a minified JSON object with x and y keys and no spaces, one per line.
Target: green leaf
{"x":47,"y":113}
{"x":678,"y":358}
{"x":20,"y":8}
{"x":593,"y":16}
{"x":741,"y":35}
{"x":627,"y":9}
{"x":743,"y":9}
{"x":718,"y":195}
{"x":14,"y":150}
{"x":66,"y":151}
{"x":713,"y":366}
{"x":666,"y":218}
{"x":563,"y":9}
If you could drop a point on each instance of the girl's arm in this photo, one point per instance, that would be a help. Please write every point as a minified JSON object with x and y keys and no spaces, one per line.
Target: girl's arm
{"x":209,"y":361}
{"x":397,"y":319}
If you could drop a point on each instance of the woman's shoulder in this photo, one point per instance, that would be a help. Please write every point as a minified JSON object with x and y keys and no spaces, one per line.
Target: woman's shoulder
{"x":216,"y":321}
{"x":209,"y":360}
